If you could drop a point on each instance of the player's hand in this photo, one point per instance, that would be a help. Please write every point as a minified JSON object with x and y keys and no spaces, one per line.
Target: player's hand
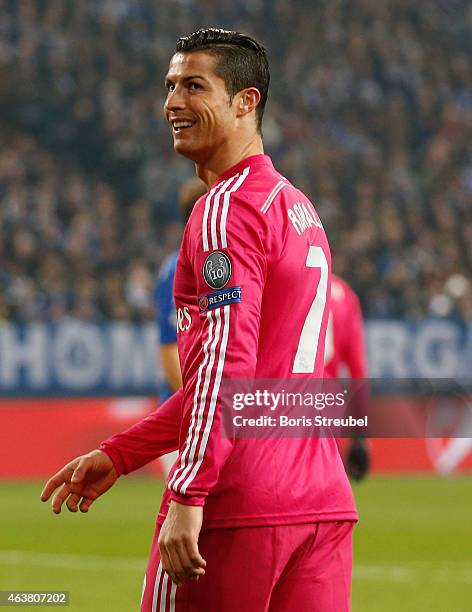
{"x":178,"y":543}
{"x":81,"y":482}
{"x":358,"y":460}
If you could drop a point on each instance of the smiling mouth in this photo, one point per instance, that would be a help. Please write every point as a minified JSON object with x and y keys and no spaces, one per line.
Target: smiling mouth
{"x":179,"y":126}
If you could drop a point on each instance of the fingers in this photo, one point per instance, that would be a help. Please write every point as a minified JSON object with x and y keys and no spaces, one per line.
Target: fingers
{"x":55,"y":481}
{"x":49,"y":487}
{"x":182,"y":560}
{"x":168,"y":565}
{"x":76,"y":502}
{"x":74,"y":472}
{"x":196,"y":561}
{"x":86,"y":503}
{"x":59,"y":498}
{"x":189,"y":570}
{"x":73,"y":502}
{"x":81,"y":470}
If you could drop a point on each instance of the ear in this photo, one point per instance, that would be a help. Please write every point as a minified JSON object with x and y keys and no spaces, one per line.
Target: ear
{"x":248,"y":99}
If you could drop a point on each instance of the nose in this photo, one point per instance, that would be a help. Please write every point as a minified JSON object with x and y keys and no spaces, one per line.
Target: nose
{"x":174,"y":100}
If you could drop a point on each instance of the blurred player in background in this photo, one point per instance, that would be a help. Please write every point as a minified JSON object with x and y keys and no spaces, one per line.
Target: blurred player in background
{"x":273,"y":517}
{"x":166,"y":317}
{"x":345,"y":350}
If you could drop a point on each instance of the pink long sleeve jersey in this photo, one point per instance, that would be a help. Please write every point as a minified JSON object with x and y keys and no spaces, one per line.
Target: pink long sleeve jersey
{"x":252,"y":296}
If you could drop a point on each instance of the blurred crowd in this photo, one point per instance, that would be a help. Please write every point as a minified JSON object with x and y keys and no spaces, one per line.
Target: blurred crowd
{"x":370,"y":113}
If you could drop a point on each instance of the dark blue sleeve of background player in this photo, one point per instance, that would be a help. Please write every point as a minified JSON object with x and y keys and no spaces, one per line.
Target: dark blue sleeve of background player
{"x":165,"y":307}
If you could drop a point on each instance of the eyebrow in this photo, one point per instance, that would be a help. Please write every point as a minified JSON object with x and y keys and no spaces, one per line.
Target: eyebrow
{"x":186,"y":79}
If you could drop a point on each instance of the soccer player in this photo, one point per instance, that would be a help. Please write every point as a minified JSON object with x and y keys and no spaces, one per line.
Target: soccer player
{"x":345,"y":349}
{"x":245,"y":524}
{"x":166,"y":315}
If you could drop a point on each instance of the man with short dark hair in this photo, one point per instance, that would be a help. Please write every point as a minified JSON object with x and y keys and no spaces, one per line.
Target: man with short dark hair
{"x":245,"y":524}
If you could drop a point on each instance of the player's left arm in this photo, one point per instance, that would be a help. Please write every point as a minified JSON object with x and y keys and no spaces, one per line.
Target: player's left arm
{"x":229,"y":266}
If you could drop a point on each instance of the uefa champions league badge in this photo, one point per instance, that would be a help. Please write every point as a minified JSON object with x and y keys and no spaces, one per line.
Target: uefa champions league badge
{"x":217,"y":269}
{"x":209,"y":301}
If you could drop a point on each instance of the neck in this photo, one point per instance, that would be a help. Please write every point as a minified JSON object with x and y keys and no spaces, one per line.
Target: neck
{"x":226,"y":157}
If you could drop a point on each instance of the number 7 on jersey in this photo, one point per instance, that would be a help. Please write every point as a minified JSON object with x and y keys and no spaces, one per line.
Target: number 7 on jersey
{"x":305,"y":356}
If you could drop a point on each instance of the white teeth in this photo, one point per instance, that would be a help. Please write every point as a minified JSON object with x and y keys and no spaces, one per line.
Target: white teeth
{"x":181,"y":124}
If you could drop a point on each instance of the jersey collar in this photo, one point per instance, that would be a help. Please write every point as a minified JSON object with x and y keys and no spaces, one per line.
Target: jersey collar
{"x":251,"y":161}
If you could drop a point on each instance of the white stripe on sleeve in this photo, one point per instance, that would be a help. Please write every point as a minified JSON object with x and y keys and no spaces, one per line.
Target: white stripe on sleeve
{"x":180,"y":474}
{"x":214,"y":212}
{"x":201,"y":411}
{"x":224,"y":212}
{"x":214,"y":397}
{"x":188,"y":441}
{"x":205,"y":218}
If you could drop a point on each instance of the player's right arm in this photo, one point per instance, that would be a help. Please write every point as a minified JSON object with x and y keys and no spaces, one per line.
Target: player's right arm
{"x":84,"y":479}
{"x":154,"y":436}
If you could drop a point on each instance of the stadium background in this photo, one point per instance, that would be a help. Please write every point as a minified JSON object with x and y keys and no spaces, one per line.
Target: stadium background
{"x":370,"y":113}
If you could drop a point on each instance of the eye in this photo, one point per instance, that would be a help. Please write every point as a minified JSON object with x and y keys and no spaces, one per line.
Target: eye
{"x":170,"y":87}
{"x":193,"y":86}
